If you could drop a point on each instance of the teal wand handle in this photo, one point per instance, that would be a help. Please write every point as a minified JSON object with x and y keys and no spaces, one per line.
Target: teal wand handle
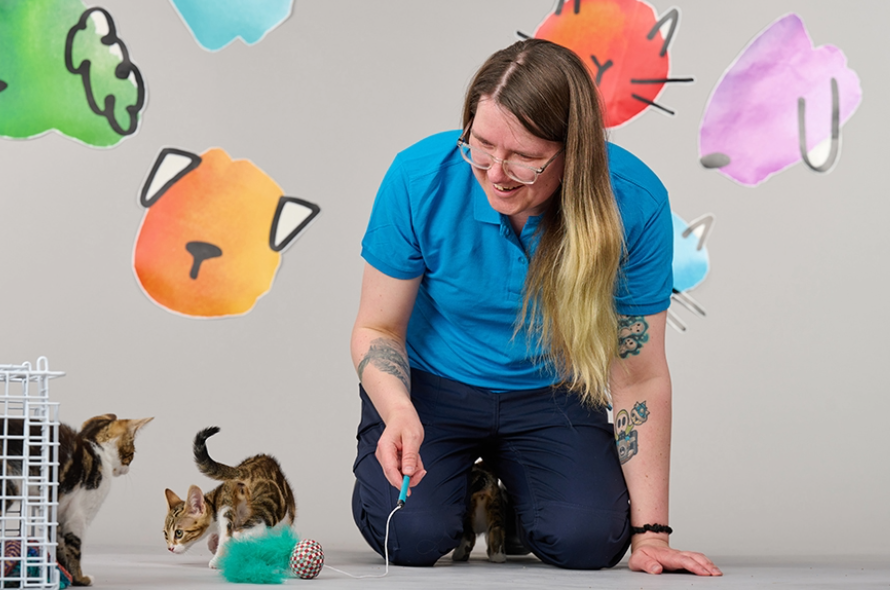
{"x":403,"y":495}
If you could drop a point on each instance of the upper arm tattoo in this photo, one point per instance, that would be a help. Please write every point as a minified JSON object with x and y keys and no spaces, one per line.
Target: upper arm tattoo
{"x":386,"y":355}
{"x":633,"y":333}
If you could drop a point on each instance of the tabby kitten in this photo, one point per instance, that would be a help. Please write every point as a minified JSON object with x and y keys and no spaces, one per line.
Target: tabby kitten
{"x":88,"y":459}
{"x":253,"y":495}
{"x":486,"y":513}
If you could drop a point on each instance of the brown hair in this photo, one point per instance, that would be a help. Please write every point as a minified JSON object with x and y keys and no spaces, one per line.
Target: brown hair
{"x":569,"y":291}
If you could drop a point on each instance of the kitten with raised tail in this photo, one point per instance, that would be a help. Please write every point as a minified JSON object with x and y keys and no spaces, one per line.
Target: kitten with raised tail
{"x":486,"y":514}
{"x":253,"y":495}
{"x":88,"y":459}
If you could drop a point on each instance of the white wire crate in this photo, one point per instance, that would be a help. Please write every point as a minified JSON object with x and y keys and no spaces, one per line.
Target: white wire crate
{"x":29,"y":466}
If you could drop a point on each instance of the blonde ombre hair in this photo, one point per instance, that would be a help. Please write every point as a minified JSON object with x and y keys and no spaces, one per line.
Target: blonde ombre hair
{"x":569,"y":294}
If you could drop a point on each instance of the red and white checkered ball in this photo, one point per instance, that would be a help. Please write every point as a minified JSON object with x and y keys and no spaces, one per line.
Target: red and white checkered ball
{"x":307,"y":559}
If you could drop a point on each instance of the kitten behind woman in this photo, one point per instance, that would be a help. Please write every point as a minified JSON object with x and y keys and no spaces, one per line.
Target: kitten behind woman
{"x":88,"y":459}
{"x":252,"y":496}
{"x":486,"y":513}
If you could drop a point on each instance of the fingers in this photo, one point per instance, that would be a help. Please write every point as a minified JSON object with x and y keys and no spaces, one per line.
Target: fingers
{"x":390,"y":461}
{"x":641,"y":561}
{"x":410,"y":461}
{"x":656,"y":560}
{"x":398,"y":452}
{"x":413,"y":467}
{"x":704,"y":566}
{"x":695,"y":563}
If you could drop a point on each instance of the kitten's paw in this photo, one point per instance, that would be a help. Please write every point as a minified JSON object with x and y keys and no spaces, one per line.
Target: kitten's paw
{"x":496,"y":539}
{"x":82,"y":581}
{"x":462,"y":553}
{"x":214,"y":563}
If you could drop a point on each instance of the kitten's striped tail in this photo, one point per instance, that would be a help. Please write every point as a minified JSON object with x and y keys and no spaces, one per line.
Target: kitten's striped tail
{"x":208,"y":466}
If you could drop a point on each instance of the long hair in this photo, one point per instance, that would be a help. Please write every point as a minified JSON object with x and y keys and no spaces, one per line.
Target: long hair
{"x":568,"y":301}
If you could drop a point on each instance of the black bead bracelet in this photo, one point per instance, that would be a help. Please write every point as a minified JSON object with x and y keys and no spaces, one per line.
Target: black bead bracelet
{"x":653,"y":528}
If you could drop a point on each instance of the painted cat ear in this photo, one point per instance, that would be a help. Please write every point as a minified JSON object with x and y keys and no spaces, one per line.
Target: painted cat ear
{"x":672,"y":16}
{"x":170,"y":165}
{"x":172,"y":498}
{"x":291,"y":218}
{"x":195,"y":500}
{"x":701,"y":227}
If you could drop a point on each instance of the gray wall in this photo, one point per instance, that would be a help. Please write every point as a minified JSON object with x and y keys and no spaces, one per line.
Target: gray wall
{"x":780,"y":440}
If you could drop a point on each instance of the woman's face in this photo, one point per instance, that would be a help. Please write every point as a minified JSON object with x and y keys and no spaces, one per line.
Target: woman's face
{"x":499,"y":132}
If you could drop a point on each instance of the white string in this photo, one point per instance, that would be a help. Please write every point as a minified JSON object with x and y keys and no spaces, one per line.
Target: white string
{"x":385,"y":551}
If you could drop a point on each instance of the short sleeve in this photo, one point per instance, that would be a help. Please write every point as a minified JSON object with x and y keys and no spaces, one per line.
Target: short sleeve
{"x":390,"y":243}
{"x":645,"y":279}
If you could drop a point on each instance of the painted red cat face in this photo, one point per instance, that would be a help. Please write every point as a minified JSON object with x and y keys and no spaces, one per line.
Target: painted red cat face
{"x":622,"y":45}
{"x":214,"y":228}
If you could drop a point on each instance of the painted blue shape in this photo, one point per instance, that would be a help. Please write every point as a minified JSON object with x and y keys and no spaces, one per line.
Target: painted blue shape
{"x":216,"y":23}
{"x":691,"y":263}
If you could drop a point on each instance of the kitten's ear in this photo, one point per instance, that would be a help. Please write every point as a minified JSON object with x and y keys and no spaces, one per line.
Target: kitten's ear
{"x":172,"y":498}
{"x":135,"y":425}
{"x":195,"y":501}
{"x":95,"y":424}
{"x":103,"y":418}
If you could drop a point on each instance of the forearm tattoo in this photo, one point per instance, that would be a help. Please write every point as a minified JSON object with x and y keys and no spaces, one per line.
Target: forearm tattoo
{"x":386,"y":356}
{"x":633,"y":333}
{"x":626,"y":431}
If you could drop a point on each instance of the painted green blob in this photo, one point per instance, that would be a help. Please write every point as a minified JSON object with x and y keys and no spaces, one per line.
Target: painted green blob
{"x":41,"y":94}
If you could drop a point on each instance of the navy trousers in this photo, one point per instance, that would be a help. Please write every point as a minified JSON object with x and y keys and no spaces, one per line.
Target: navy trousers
{"x":556,"y":457}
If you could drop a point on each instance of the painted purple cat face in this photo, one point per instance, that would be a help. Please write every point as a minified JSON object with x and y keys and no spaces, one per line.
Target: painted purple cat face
{"x":750,"y":129}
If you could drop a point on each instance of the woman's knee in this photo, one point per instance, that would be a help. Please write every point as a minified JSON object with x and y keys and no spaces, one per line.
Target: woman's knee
{"x":575,"y":538}
{"x":421,"y":538}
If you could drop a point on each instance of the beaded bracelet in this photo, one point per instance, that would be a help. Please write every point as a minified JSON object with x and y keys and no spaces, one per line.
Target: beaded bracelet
{"x":654,"y":528}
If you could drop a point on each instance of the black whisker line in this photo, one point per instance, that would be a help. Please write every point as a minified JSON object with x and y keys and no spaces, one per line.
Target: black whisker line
{"x":654,"y":104}
{"x":659,"y":80}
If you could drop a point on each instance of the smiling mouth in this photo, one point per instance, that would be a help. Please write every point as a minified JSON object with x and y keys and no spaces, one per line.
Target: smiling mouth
{"x":506,"y":189}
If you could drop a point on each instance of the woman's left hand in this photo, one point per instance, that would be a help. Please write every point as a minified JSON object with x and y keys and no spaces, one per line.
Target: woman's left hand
{"x":656,"y":557}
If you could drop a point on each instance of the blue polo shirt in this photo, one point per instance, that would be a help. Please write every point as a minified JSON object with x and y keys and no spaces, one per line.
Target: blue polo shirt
{"x":432,"y":218}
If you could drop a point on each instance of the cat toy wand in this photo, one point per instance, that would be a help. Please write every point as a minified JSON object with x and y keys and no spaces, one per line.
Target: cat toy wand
{"x":403,"y":495}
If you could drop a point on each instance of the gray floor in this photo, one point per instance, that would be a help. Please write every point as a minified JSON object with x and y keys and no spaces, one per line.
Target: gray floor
{"x":154,"y":569}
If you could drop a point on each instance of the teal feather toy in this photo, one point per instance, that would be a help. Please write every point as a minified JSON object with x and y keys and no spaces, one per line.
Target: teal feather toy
{"x":270,"y":558}
{"x":259,"y":560}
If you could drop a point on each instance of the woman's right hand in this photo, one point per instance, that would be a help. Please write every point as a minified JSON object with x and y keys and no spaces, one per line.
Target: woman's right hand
{"x":398,"y":450}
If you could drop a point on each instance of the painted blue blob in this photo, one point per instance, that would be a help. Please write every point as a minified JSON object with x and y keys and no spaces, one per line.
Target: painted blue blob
{"x":690,"y":265}
{"x":216,"y":23}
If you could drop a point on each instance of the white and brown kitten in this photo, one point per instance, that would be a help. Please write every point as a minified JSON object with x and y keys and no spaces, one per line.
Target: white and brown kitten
{"x":486,"y":513}
{"x":252,"y":496}
{"x":88,"y":459}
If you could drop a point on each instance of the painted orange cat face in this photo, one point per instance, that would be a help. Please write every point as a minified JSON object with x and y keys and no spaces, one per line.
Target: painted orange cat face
{"x":214,"y":228}
{"x":621,"y":43}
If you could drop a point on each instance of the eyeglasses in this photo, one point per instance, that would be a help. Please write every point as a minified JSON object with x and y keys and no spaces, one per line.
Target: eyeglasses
{"x":479,"y":158}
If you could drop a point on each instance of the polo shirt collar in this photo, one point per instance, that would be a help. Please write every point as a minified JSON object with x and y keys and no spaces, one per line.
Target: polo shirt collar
{"x":482,"y":210}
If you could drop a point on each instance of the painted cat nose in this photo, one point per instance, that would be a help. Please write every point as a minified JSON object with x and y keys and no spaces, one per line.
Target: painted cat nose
{"x":200,"y":252}
{"x":715,"y":160}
